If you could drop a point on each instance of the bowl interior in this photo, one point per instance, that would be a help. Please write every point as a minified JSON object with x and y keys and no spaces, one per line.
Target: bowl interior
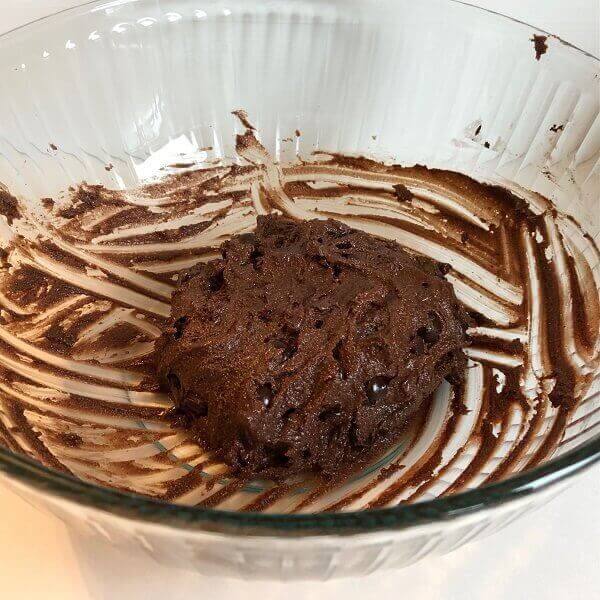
{"x":124,"y":94}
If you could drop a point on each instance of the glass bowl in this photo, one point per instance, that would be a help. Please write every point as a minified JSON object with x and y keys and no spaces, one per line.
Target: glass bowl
{"x":111,"y":93}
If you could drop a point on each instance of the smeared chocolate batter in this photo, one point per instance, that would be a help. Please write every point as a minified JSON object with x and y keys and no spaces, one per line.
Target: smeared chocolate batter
{"x":8,"y":206}
{"x":540,"y":45}
{"x":85,"y":285}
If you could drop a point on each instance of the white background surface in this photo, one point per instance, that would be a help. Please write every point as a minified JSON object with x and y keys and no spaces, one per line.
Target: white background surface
{"x":551,"y":554}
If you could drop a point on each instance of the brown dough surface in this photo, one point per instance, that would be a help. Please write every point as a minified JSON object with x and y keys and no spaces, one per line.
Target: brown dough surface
{"x":308,"y":346}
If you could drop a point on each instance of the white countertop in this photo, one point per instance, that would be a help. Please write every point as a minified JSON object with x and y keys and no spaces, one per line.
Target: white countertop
{"x":549,"y":555}
{"x":553,"y":553}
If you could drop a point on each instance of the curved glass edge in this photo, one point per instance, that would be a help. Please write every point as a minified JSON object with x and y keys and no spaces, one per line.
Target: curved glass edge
{"x":538,"y":30}
{"x":85,"y":6}
{"x":445,"y":508}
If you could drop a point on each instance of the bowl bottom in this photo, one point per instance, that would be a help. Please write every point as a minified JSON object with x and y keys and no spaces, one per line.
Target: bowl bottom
{"x":85,"y":285}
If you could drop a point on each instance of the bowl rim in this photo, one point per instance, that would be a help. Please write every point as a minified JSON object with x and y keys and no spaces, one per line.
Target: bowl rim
{"x":403,"y":516}
{"x":83,"y":5}
{"x":143,"y":508}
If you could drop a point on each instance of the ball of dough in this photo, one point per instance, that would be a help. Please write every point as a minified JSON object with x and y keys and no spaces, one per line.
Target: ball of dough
{"x":308,"y":346}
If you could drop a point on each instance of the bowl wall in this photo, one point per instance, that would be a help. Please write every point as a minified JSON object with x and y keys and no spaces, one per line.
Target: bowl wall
{"x":140,"y":85}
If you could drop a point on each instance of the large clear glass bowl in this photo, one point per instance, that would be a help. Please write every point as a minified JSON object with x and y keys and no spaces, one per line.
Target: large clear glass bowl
{"x":134,"y":84}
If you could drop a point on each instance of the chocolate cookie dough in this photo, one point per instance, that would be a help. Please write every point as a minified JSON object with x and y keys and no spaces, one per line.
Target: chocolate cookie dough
{"x":308,"y":346}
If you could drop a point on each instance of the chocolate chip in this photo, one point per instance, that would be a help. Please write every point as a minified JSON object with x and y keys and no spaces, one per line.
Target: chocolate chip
{"x":454,"y":378}
{"x":179,"y":326}
{"x":245,"y":436}
{"x":287,"y":414}
{"x":184,"y":277}
{"x":353,"y":434}
{"x":443,"y":268}
{"x":196,"y":409}
{"x":337,"y":351}
{"x":255,"y":257}
{"x":418,"y":346}
{"x":175,"y":386}
{"x":241,"y":459}
{"x":330,"y":412}
{"x":265,"y":394}
{"x":377,"y":388}
{"x":321,"y":260}
{"x":275,"y":454}
{"x":430,"y":333}
{"x":170,"y":412}
{"x":337,"y":355}
{"x":216,"y":281}
{"x":287,"y":340}
{"x":344,"y":245}
{"x":318,"y":324}
{"x":289,"y":352}
{"x":265,"y":315}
